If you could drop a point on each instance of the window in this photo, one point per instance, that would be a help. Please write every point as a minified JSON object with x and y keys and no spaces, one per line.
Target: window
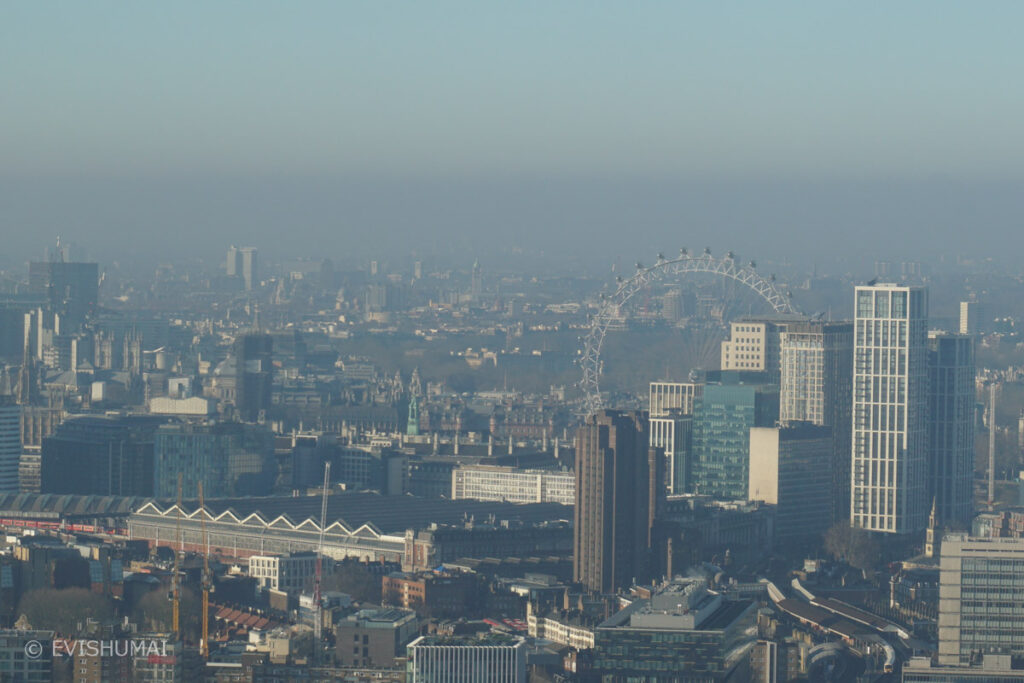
{"x":899,"y":304}
{"x":881,"y":304}
{"x":864,"y":304}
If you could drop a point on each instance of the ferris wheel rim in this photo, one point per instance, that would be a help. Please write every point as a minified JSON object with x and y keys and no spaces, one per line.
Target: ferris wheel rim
{"x":726,"y":267}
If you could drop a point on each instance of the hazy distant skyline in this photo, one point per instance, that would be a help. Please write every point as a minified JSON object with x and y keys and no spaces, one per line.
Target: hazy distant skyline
{"x":376,"y":126}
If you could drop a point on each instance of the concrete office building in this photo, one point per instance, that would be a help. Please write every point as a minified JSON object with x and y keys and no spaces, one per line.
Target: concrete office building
{"x":494,"y":658}
{"x":981,"y":589}
{"x":618,"y":483}
{"x":991,"y":669}
{"x":673,"y":435}
{"x":791,"y":468}
{"x":722,"y":421}
{"x":374,"y":637}
{"x":513,"y":485}
{"x":951,"y":402}
{"x":671,"y":425}
{"x":889,"y":479}
{"x":754,"y":343}
{"x":289,"y":573}
{"x":683,"y":632}
{"x":668,"y":397}
{"x":816,"y":386}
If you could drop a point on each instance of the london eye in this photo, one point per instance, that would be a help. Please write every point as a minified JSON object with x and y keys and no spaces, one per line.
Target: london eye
{"x":717,"y":291}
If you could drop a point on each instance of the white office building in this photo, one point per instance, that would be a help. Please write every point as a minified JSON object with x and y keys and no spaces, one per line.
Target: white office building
{"x":494,"y":658}
{"x":288,"y":573}
{"x":670,"y":411}
{"x":512,"y":485}
{"x":981,"y":590}
{"x":889,"y":477}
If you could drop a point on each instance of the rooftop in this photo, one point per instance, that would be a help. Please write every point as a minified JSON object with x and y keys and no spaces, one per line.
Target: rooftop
{"x":389,"y":514}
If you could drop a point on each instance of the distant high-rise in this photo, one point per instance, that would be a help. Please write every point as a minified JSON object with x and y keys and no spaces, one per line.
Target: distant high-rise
{"x":233,"y":265}
{"x":722,"y":419}
{"x":476,"y":285}
{"x":951,"y":402}
{"x":250,"y":268}
{"x":254,"y":374}
{"x":889,"y":484}
{"x":972,"y":315}
{"x":242,"y":262}
{"x":10,"y":444}
{"x":70,"y":289}
{"x":816,"y":387}
{"x":618,"y":483}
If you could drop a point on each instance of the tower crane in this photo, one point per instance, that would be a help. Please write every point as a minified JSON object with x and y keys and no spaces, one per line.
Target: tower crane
{"x":317,"y":608}
{"x":207,"y":580}
{"x":176,"y":577}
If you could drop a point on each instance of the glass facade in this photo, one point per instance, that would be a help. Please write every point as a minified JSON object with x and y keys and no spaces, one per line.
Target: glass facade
{"x":721,"y":436}
{"x":951,"y":403}
{"x":231,"y":459}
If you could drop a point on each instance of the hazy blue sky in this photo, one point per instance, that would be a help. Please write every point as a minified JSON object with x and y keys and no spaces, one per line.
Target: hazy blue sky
{"x":343,"y":126}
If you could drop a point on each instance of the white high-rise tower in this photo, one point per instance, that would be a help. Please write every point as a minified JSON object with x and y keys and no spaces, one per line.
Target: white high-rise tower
{"x":889,"y":476}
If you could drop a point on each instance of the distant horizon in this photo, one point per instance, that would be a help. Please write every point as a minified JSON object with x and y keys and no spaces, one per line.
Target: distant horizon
{"x":791,"y":131}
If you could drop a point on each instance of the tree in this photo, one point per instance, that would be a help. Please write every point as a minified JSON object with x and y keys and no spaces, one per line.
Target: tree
{"x":356,"y":580}
{"x":63,"y":610}
{"x":155,"y":612}
{"x":855,"y":546}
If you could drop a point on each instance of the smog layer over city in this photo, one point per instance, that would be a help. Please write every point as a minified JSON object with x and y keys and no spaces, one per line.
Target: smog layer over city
{"x":529,"y":342}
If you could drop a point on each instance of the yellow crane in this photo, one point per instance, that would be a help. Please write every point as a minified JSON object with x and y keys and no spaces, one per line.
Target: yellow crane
{"x":207,"y":580}
{"x":176,"y":578}
{"x":318,"y":616}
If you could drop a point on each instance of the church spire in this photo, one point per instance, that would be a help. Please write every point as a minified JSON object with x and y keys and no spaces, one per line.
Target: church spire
{"x":931,"y":537}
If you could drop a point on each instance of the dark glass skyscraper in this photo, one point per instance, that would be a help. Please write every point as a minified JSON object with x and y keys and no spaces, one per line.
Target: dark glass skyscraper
{"x":951,"y":425}
{"x":104,"y":456}
{"x":71,"y":289}
{"x":253,"y":354}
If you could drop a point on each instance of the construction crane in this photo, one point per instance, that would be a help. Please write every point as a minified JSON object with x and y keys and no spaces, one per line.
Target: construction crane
{"x":318,"y":617}
{"x":176,"y":577}
{"x":207,"y":580}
